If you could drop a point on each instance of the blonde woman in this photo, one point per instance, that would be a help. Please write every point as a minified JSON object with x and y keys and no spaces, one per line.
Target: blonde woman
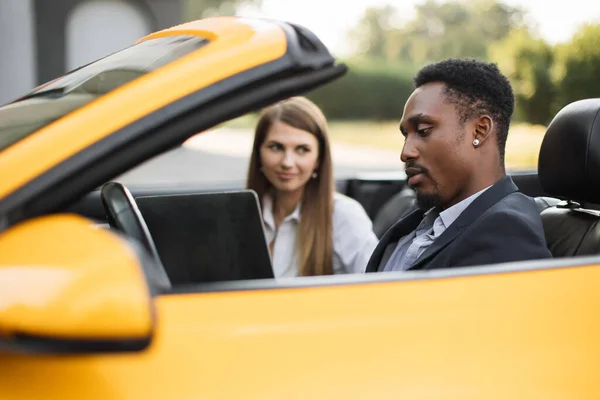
{"x":311,"y":229}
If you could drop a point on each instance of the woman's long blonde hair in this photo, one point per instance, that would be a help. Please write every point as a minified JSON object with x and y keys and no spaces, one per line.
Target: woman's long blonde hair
{"x":314,"y":243}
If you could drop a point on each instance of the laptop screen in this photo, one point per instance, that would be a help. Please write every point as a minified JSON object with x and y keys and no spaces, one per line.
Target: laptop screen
{"x":208,"y":237}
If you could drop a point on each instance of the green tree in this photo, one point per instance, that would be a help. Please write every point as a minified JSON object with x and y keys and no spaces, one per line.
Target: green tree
{"x":438,"y":30}
{"x":371,"y":35}
{"x":575,"y":71}
{"x":526,"y":61}
{"x":194,"y":9}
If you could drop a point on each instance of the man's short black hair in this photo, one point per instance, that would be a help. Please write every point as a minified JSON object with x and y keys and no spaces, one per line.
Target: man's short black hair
{"x":476,"y":88}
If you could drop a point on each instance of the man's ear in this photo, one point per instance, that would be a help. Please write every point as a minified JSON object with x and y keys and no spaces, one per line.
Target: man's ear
{"x":484,"y":125}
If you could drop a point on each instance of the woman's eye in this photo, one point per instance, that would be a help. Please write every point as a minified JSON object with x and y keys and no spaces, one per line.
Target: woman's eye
{"x":303,"y":150}
{"x":275,"y":146}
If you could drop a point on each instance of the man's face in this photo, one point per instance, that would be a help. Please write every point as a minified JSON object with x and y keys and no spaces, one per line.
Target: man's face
{"x":438,"y":151}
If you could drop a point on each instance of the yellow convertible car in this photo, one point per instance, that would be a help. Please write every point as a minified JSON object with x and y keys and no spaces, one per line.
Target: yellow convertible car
{"x":167,"y":293}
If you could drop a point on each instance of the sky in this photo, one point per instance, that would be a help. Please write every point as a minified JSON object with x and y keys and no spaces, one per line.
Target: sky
{"x":330,"y":20}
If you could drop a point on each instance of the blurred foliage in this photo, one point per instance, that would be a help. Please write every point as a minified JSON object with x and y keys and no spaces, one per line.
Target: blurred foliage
{"x":370,"y":90}
{"x":544,"y":77}
{"x":526,"y":61}
{"x":575,"y":71}
{"x":438,"y":30}
{"x":373,"y":33}
{"x":390,"y":50}
{"x":195,"y":9}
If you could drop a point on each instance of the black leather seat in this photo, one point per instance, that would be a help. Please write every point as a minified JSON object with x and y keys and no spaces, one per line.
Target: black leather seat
{"x":569,"y":168}
{"x":393,"y":210}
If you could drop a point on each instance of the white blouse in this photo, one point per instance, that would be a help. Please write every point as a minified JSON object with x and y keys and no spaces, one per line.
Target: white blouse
{"x":353,"y":237}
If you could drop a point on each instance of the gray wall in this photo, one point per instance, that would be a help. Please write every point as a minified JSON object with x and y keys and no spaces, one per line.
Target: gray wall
{"x":42,"y":39}
{"x":87,"y":38}
{"x":17,"y":49}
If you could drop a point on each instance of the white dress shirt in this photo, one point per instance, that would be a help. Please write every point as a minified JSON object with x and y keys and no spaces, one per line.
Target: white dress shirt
{"x":353,"y":237}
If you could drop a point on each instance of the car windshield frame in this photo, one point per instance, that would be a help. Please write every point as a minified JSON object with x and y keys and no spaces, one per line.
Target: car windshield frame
{"x":62,"y":96}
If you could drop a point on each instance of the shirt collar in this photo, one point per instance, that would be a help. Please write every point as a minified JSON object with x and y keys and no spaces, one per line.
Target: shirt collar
{"x":268,"y":212}
{"x":449,"y":215}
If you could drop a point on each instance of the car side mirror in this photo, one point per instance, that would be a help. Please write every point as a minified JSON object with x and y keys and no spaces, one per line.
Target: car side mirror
{"x":67,"y":286}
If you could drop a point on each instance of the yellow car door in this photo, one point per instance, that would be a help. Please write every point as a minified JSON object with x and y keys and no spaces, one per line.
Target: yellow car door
{"x":517,"y":332}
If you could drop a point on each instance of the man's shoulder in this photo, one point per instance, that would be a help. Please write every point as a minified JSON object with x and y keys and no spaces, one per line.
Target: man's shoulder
{"x":516,"y":210}
{"x":510,"y":230}
{"x":515,"y":203}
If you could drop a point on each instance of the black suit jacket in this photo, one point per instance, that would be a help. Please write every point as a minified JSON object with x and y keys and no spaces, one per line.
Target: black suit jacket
{"x":501,"y":225}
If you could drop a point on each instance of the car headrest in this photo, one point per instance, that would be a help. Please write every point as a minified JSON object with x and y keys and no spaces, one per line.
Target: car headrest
{"x":569,"y":162}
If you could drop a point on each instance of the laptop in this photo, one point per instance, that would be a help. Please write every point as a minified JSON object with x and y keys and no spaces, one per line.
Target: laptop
{"x":208,"y":237}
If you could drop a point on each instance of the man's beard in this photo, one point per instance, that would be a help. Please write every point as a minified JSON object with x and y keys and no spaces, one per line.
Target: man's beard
{"x":426,"y":201}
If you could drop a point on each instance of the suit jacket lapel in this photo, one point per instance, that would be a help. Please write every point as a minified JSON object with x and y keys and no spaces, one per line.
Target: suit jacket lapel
{"x":487,"y":199}
{"x":387,"y":253}
{"x":388,"y":242}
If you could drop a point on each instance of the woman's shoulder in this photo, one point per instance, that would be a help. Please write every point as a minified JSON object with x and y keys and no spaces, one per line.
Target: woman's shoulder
{"x":353,"y":236}
{"x":345,"y":206}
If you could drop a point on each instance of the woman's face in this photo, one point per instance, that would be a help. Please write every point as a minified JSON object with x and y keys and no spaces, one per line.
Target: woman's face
{"x":289,"y":156}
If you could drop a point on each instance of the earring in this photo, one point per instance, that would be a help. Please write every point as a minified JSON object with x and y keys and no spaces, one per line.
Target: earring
{"x":314,"y":175}
{"x":476,"y":142}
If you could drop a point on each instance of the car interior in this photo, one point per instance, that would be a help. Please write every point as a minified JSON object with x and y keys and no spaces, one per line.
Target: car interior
{"x":222,"y":226}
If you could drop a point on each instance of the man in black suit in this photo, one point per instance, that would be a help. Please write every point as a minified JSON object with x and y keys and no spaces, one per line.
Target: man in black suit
{"x":455,"y":126}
